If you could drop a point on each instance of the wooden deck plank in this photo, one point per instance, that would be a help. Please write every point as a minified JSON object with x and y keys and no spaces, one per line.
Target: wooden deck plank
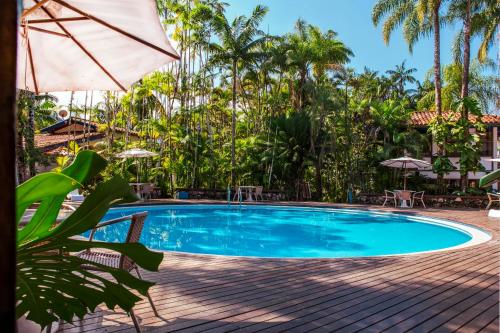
{"x":482,"y":321}
{"x":455,"y":322}
{"x":281,"y":299}
{"x":321,"y":309}
{"x":492,"y":327}
{"x":361,"y":306}
{"x":444,"y":291}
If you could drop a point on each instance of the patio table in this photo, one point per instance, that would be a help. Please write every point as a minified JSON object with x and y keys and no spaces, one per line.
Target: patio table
{"x":401,"y":194}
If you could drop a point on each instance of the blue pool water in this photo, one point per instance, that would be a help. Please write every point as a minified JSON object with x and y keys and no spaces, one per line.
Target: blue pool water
{"x":291,"y":232}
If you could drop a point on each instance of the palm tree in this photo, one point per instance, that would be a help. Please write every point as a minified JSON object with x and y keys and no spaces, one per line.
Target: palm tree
{"x":311,"y":51}
{"x":401,"y":75}
{"x":418,"y":18}
{"x":239,"y":41}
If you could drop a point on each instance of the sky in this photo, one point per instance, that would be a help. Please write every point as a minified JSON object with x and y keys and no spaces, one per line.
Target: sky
{"x":351,"y":19}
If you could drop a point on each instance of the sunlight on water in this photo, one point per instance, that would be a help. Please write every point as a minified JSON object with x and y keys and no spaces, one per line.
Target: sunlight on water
{"x":282,"y":232}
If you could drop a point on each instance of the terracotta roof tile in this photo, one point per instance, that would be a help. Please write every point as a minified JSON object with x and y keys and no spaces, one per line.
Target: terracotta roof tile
{"x":423,"y":118}
{"x":49,"y":142}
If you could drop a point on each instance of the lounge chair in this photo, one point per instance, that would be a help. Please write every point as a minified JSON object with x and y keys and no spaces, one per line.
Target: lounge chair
{"x":118,"y":260}
{"x":492,"y":197}
{"x":390,"y":196}
{"x":418,"y":196}
{"x":75,"y":196}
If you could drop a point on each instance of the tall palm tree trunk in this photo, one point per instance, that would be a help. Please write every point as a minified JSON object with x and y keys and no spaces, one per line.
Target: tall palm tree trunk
{"x":437,"y":75}
{"x":465,"y":80}
{"x":233,"y":125}
{"x":437,"y":58}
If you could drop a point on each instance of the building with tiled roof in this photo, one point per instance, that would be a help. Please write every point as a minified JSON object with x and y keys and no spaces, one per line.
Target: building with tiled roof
{"x":54,"y":138}
{"x":423,"y":118}
{"x":490,"y":147}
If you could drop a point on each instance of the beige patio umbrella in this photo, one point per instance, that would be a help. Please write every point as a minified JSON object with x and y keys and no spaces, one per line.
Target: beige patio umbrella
{"x":405,"y":163}
{"x":136,"y":153}
{"x":72,"y":45}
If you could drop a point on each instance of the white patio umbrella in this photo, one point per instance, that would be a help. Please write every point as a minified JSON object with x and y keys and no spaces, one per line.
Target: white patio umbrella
{"x":136,"y":153}
{"x":72,"y":45}
{"x":405,"y":163}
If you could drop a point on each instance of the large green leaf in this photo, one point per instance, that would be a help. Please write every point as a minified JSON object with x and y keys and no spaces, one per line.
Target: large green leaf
{"x":52,"y":286}
{"x":137,"y":252}
{"x":116,"y":190}
{"x":86,"y":165}
{"x":50,"y":190}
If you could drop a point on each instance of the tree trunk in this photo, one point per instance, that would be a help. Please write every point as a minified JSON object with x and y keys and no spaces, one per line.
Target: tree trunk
{"x":437,"y":75}
{"x":437,"y":58}
{"x":233,"y":126}
{"x":8,"y":47}
{"x":318,"y":166}
{"x":465,"y":81}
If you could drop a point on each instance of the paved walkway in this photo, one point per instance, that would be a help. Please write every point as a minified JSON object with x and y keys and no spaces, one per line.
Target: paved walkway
{"x":449,"y":291}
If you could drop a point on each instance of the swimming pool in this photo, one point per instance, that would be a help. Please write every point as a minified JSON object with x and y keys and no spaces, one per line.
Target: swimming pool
{"x":290,"y":232}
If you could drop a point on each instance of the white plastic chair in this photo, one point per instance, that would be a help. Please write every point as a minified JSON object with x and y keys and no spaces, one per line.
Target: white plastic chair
{"x":258,"y":193}
{"x":418,"y":196}
{"x":237,"y":194}
{"x":492,"y":197}
{"x":390,"y":196}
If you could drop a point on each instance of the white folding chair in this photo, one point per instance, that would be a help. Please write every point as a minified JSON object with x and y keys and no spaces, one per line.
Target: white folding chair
{"x":418,"y":196}
{"x":390,"y":196}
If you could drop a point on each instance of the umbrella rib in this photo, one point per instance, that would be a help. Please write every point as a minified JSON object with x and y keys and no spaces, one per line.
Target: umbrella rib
{"x":84,"y":49}
{"x":60,"y":19}
{"x":32,"y":65}
{"x":112,"y":27}
{"x":47,"y":31}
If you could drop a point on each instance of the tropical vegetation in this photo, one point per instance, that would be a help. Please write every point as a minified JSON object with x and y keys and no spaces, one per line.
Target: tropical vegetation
{"x":245,"y":107}
{"x":52,"y":283}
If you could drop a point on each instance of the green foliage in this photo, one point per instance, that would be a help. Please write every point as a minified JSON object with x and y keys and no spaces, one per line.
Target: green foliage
{"x":466,"y":143}
{"x":51,"y":283}
{"x":300,"y":114}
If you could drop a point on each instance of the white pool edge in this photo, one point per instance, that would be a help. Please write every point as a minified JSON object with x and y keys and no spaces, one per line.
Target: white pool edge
{"x":479,"y":235}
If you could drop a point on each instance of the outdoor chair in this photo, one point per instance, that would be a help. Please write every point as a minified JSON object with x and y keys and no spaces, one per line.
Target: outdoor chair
{"x":237,"y":194}
{"x":75,"y":196}
{"x":146,"y":191}
{"x":258,"y":193}
{"x":389,"y":196}
{"x":492,"y":197}
{"x":117,"y":260}
{"x":418,"y":196}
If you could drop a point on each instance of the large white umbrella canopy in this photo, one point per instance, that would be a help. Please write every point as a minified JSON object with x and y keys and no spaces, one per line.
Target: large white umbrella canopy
{"x":74,"y":45}
{"x":136,"y":153}
{"x":405,"y":163}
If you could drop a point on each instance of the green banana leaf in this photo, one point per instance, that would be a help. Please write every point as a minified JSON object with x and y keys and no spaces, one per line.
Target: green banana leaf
{"x":490,"y":179}
{"x":52,"y":286}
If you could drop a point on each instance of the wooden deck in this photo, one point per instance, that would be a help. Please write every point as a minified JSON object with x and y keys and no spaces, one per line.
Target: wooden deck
{"x":450,"y":291}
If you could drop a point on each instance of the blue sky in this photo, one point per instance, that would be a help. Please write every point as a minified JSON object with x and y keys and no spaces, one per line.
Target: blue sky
{"x":351,"y":19}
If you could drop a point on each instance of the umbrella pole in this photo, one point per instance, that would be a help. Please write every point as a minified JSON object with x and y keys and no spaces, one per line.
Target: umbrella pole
{"x":138,"y":170}
{"x":404,"y":185}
